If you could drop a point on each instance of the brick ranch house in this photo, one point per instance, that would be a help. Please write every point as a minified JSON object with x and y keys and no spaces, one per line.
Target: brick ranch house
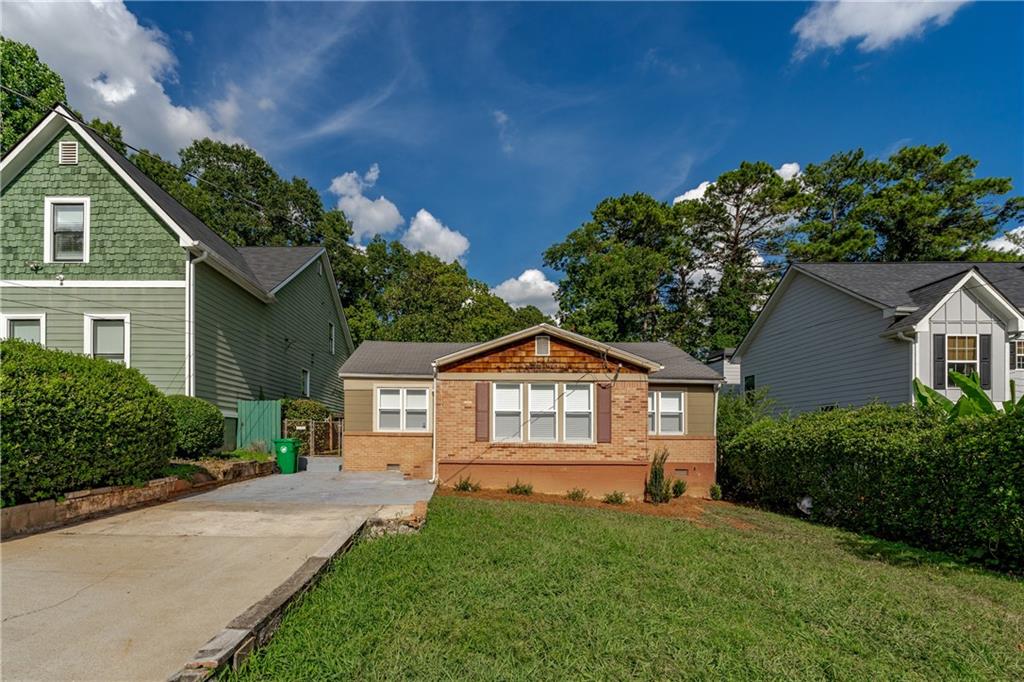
{"x":543,"y":406}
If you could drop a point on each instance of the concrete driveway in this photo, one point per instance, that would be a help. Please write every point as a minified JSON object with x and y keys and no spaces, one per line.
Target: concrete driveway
{"x":133,"y":596}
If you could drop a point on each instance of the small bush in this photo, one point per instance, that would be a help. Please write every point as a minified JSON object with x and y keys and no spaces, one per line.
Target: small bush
{"x":657,"y":488}
{"x":304,"y":408}
{"x":519,"y":488}
{"x":576,"y":495}
{"x":465,"y":485}
{"x":678,"y":487}
{"x":716,"y":492}
{"x":254,"y":455}
{"x":72,"y":422}
{"x":615,"y":497}
{"x":199,"y":426}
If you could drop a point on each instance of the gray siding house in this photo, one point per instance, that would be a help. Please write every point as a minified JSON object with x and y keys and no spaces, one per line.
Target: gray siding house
{"x":839,"y":334}
{"x":722,"y":362}
{"x":96,"y":258}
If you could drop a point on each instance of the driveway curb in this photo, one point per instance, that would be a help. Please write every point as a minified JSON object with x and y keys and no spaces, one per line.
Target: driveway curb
{"x":254,"y":628}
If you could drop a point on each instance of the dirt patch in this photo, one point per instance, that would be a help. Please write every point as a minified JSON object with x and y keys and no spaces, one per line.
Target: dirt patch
{"x":690,"y":508}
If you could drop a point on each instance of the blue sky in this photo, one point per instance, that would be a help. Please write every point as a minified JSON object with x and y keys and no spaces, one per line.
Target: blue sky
{"x":491,"y":130}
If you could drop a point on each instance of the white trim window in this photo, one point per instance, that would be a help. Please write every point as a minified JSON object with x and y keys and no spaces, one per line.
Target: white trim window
{"x":507,"y":412}
{"x":1019,"y":355}
{"x":331,"y":336}
{"x":542,"y":345}
{"x":652,"y":414}
{"x":578,"y":420}
{"x":29,"y":327}
{"x":543,"y":415}
{"x":402,"y":409}
{"x":109,"y":336}
{"x":962,"y":353}
{"x":66,"y":229}
{"x":666,"y":413}
{"x":305,"y":383}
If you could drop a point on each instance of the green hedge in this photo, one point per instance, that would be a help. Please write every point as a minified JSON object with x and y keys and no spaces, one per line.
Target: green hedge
{"x":304,"y":408}
{"x":199,"y":426}
{"x":69,"y":422}
{"x":894,"y":472}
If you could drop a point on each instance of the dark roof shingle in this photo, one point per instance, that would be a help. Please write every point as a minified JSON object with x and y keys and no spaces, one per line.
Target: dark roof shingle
{"x":272,"y":265}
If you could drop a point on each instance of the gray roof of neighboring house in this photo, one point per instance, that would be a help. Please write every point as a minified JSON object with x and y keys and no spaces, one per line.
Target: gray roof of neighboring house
{"x":397,"y":358}
{"x":895,"y":284}
{"x":264,"y":266}
{"x":721,"y":353}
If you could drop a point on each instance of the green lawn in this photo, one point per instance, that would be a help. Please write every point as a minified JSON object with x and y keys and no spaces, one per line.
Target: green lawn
{"x":495,"y":590}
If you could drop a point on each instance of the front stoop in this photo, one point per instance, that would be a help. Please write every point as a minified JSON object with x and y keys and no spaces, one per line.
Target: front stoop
{"x":320,"y":464}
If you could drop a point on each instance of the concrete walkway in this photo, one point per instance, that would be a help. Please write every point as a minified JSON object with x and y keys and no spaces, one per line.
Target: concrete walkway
{"x":134,"y":596}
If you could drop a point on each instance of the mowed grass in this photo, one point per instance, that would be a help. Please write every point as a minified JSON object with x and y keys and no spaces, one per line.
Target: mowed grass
{"x":510,"y":591}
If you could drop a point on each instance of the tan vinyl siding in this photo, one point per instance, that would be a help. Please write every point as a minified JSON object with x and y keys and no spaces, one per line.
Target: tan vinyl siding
{"x":245,"y":348}
{"x":359,"y":410}
{"x":157,"y":323}
{"x":698,"y":407}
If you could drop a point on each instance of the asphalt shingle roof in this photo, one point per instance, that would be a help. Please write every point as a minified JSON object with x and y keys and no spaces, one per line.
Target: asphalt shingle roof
{"x":397,"y":358}
{"x":272,"y":265}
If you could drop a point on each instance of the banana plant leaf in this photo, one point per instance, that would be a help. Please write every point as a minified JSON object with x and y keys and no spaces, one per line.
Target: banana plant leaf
{"x":927,"y":396}
{"x":973,"y":391}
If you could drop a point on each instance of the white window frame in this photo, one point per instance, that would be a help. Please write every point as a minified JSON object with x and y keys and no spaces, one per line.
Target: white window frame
{"x":652,"y":409}
{"x":330,"y":326}
{"x":681,"y":413}
{"x":305,"y":382}
{"x":536,"y":345}
{"x":494,"y":410}
{"x":48,"y":204}
{"x":530,"y":411}
{"x":977,"y":355}
{"x":403,"y":408}
{"x":87,"y":332}
{"x":565,"y":413}
{"x":7,"y":318}
{"x":1019,"y":355}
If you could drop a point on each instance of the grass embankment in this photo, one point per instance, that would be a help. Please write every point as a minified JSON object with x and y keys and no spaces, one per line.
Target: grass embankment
{"x":504,"y":590}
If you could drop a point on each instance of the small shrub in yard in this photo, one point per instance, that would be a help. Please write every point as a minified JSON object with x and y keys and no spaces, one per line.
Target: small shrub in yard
{"x":199,"y":426}
{"x":678,"y":487}
{"x":576,"y":495}
{"x":71,"y":422}
{"x":615,"y":497}
{"x":304,"y":408}
{"x":519,"y":488}
{"x":658,"y":488}
{"x":716,"y":492}
{"x":465,"y":485}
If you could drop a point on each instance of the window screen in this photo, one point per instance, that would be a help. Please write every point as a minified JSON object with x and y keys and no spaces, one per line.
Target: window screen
{"x":508,"y":412}
{"x":68,"y":232}
{"x":108,"y":340}
{"x":578,"y":412}
{"x":542,"y":412}
{"x":26,"y":330}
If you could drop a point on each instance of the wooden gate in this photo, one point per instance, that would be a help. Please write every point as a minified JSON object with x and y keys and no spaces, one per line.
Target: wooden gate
{"x":259,"y":423}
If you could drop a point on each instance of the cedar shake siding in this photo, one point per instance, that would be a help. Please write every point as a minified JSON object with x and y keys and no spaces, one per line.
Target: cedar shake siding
{"x":471,"y":417}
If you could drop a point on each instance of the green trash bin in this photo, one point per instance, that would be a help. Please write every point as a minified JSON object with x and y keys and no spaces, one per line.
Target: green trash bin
{"x":286,"y":450}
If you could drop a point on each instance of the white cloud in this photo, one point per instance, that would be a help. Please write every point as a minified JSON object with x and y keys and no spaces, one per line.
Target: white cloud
{"x":115,"y":68}
{"x":786,"y":171}
{"x":369,"y":217}
{"x":875,"y":25}
{"x":427,"y":233}
{"x":504,"y":125}
{"x":1001,"y":243}
{"x":530,"y":288}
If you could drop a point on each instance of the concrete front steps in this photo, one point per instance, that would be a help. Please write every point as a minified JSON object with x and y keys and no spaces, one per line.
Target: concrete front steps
{"x":324,"y":465}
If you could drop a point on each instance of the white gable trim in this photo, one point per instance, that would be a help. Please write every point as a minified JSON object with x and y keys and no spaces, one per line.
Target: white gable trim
{"x":987,"y":294}
{"x":297,"y":272}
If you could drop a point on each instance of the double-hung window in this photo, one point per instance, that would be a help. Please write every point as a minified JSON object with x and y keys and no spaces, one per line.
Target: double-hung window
{"x":508,"y":412}
{"x":665,"y":413}
{"x":579,"y":412}
{"x":108,"y":337}
{"x":66,"y":236}
{"x":962,"y":354}
{"x":1019,"y":355}
{"x":652,"y":414}
{"x":542,"y":412}
{"x":401,"y":409}
{"x":27,"y":327}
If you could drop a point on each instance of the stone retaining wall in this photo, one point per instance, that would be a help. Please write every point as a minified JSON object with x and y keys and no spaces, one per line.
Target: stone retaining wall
{"x":83,"y":504}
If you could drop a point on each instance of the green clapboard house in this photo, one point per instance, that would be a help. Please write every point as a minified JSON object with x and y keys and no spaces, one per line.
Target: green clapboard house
{"x":96,"y":258}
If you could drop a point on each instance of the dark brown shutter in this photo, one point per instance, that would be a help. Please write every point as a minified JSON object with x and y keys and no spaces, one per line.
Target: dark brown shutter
{"x":483,"y":410}
{"x":985,"y":357}
{"x":939,"y":361}
{"x":604,"y":413}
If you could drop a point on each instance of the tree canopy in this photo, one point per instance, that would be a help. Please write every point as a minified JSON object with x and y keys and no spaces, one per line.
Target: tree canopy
{"x":23,"y":71}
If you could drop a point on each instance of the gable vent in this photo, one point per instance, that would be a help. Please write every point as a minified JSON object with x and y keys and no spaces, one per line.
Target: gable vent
{"x":543,"y":345}
{"x":67,"y":154}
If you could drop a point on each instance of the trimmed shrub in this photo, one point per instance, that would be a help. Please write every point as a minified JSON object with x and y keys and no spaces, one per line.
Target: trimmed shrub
{"x":615,"y":497}
{"x":895,"y":472}
{"x":657,"y":487}
{"x":199,"y":426}
{"x":71,"y":422}
{"x":678,"y":487}
{"x":304,"y":408}
{"x":737,"y":411}
{"x":716,"y":491}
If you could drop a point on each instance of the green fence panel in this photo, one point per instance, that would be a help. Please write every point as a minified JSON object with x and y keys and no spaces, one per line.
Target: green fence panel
{"x":259,"y":423}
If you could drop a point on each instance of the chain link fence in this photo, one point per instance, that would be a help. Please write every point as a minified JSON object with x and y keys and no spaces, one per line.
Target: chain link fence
{"x":316,"y":437}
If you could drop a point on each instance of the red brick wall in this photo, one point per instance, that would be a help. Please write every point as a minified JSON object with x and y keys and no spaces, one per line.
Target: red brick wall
{"x":365,"y":451}
{"x":693,"y":454}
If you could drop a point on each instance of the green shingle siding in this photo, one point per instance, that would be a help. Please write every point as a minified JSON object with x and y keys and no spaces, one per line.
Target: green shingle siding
{"x":157,"y":324}
{"x":245,"y":347}
{"x":127,"y":242}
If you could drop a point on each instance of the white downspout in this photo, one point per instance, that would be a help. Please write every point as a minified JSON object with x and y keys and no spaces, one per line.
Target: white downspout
{"x":190,"y":321}
{"x":433,"y":424}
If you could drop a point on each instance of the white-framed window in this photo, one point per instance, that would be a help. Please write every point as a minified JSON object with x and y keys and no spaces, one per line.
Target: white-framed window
{"x":507,"y":412}
{"x":543,"y":415}
{"x":109,"y":336}
{"x":402,"y":409}
{"x":665,"y":413}
{"x":305,"y":383}
{"x":542,"y":345}
{"x":331,"y":336}
{"x":25,"y":326}
{"x":962,"y":353}
{"x":66,"y":229}
{"x":578,"y":420}
{"x":652,"y":414}
{"x":1019,"y":355}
